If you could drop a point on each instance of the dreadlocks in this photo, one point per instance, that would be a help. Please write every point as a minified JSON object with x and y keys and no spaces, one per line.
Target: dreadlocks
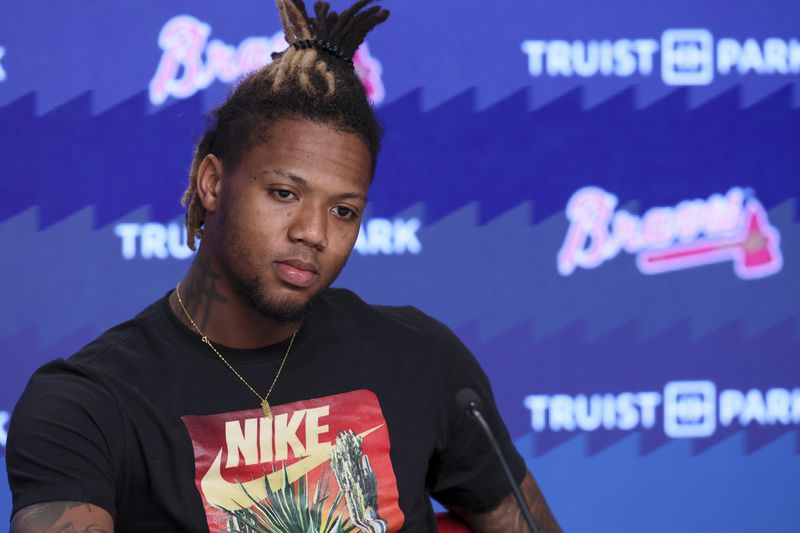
{"x":312,"y":79}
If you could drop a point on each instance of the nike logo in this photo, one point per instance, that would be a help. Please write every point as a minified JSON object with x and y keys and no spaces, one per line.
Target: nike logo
{"x":222,"y":493}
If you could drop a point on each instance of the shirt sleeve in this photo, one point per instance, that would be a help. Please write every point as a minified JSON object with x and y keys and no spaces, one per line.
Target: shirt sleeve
{"x":64,"y":440}
{"x":465,"y":472}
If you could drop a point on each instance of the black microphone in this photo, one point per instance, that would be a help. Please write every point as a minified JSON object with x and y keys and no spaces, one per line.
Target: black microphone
{"x":468,"y":400}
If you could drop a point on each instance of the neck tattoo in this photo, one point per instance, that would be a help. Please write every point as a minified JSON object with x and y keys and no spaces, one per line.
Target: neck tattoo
{"x":265,"y":407}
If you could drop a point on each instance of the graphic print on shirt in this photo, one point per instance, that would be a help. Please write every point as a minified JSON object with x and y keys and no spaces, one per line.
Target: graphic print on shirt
{"x":317,"y":466}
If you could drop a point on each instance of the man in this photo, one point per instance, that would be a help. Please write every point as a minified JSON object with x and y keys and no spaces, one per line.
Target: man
{"x":253,"y":397}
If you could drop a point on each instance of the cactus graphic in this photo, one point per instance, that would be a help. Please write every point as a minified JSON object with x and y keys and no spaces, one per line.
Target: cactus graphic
{"x":357,"y":482}
{"x":292,"y":509}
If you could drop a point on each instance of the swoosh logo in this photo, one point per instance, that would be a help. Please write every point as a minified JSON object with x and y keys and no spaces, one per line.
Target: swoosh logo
{"x":222,"y":493}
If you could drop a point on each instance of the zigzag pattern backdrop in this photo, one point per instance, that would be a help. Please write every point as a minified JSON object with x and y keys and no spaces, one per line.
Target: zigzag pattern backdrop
{"x":599,"y":372}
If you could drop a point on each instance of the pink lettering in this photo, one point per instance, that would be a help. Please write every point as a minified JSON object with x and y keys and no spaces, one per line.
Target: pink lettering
{"x":180,"y":72}
{"x":589,"y":212}
{"x":694,"y":233}
{"x":190,"y":63}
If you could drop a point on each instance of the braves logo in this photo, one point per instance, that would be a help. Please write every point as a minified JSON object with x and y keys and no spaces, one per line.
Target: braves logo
{"x":190,"y":62}
{"x":733,"y":227}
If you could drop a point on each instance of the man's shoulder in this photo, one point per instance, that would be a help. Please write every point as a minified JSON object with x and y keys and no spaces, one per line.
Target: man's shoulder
{"x":128,"y":337}
{"x":379,"y":319}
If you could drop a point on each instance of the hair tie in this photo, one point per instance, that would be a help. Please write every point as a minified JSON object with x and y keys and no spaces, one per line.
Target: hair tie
{"x":326,"y":46}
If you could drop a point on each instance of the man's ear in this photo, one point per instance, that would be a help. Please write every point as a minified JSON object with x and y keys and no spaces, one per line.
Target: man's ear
{"x":209,"y":182}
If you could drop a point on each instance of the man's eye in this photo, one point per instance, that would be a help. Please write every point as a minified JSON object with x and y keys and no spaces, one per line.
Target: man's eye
{"x":282,"y":194}
{"x":344,"y":212}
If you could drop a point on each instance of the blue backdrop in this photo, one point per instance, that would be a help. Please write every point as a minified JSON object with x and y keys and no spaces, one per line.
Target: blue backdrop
{"x":600,"y":198}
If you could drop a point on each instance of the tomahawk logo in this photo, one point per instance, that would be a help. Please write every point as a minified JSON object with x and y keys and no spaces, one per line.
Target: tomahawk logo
{"x":730,"y":228}
{"x":190,"y":62}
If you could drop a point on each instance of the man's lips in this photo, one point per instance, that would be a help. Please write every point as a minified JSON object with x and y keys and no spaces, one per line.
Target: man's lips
{"x":296,"y":272}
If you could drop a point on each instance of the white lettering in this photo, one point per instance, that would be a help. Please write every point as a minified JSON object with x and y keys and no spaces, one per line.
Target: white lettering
{"x":4,"y":418}
{"x":561,"y":413}
{"x":387,"y":237}
{"x":128,"y":233}
{"x":776,"y":56}
{"x":624,"y":411}
{"x":404,"y":236}
{"x":588,"y":412}
{"x":2,"y":71}
{"x":731,"y":403}
{"x":586,"y":58}
{"x":622,"y":57}
{"x":177,"y":238}
{"x":628,"y":416}
{"x":606,"y":58}
{"x":286,"y":435}
{"x":728,"y":52}
{"x":265,"y":439}
{"x":688,"y":57}
{"x":689,"y":409}
{"x":751,"y":58}
{"x":794,"y":56}
{"x":609,"y":411}
{"x":538,"y":406}
{"x":778,"y":403}
{"x":754,"y":408}
{"x":558,"y":58}
{"x":624,"y":60}
{"x":776,"y":406}
{"x":379,"y":236}
{"x":648,"y":401}
{"x":535,"y":51}
{"x":241,"y":443}
{"x":154,"y":241}
{"x":645,"y":50}
{"x":313,"y":427}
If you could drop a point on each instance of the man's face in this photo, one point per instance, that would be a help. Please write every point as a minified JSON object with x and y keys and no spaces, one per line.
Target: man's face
{"x":289,"y":215}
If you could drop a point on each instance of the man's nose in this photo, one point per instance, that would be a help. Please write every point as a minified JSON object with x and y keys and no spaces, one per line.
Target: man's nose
{"x":310,"y":226}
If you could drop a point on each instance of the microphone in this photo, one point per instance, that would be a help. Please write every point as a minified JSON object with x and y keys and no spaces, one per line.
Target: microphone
{"x":468,"y":401}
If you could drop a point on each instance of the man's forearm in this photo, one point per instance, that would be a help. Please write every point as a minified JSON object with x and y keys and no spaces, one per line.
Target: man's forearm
{"x":507,"y":517}
{"x":62,"y":517}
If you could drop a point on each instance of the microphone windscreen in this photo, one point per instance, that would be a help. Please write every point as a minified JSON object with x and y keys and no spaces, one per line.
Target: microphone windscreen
{"x":467,"y":397}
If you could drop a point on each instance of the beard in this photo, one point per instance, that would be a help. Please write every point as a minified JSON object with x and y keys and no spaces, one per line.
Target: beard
{"x":282,"y":311}
{"x":251,"y":286}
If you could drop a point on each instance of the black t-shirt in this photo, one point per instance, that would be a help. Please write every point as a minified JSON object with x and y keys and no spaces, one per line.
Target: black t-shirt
{"x":147,"y":423}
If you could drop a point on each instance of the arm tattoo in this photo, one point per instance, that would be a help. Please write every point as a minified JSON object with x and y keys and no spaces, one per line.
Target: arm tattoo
{"x":56,"y":517}
{"x":507,"y":518}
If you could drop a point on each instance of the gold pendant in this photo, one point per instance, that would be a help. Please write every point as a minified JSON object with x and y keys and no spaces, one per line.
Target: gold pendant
{"x":266,"y":408}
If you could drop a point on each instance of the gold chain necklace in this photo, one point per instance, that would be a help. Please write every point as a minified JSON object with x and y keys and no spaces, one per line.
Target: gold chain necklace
{"x":264,"y":403}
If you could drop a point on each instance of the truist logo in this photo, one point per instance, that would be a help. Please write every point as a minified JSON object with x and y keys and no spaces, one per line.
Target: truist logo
{"x":688,"y":409}
{"x":154,"y":240}
{"x":190,"y":62}
{"x":731,"y":227}
{"x":688,"y":56}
